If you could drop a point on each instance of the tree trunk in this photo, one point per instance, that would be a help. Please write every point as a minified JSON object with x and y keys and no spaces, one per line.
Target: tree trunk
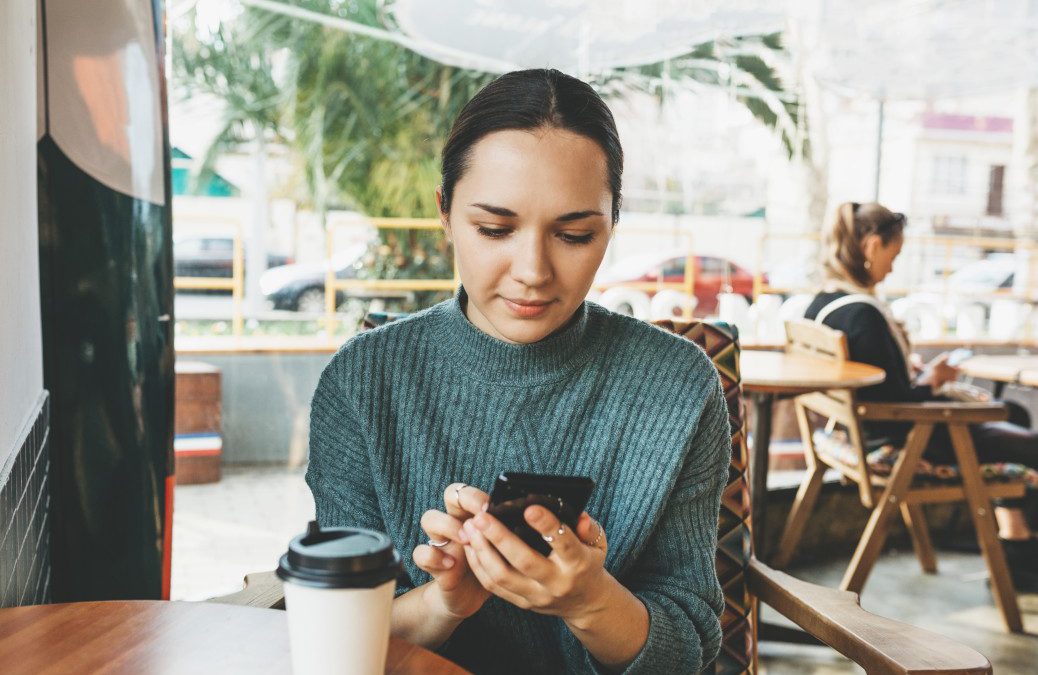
{"x":256,"y":239}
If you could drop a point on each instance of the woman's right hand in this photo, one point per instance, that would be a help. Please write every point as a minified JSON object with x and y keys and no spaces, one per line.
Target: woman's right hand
{"x":942,"y":373}
{"x":455,"y":592}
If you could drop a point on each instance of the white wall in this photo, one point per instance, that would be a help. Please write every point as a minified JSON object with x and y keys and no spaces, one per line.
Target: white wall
{"x":981,"y":151}
{"x":21,"y":358}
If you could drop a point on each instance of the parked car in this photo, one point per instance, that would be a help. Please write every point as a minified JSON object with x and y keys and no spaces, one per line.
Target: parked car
{"x":994,"y":273}
{"x":210,"y":257}
{"x":712,"y":275}
{"x":300,"y":287}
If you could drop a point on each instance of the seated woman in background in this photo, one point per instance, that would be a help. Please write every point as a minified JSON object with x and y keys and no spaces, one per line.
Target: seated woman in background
{"x":860,"y":248}
{"x":412,"y":422}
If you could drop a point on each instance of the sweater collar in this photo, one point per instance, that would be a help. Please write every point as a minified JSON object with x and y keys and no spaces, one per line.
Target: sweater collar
{"x":494,"y":360}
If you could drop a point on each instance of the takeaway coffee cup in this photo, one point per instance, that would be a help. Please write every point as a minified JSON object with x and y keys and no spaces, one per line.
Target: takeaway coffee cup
{"x":339,"y":585}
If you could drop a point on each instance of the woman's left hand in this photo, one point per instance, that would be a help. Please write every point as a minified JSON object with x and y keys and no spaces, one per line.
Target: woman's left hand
{"x":568,"y":583}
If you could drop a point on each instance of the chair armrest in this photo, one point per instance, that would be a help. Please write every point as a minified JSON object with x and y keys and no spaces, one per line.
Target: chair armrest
{"x":262,"y":589}
{"x":933,"y":411}
{"x":877,"y":644}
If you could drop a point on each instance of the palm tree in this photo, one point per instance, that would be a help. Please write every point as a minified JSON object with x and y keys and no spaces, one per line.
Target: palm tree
{"x":748,"y":67}
{"x":230,"y":64}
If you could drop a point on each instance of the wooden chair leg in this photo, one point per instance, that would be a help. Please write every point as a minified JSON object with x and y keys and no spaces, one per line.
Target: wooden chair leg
{"x":875,"y":534}
{"x":915,"y":523}
{"x":804,"y":503}
{"x":984,"y":522}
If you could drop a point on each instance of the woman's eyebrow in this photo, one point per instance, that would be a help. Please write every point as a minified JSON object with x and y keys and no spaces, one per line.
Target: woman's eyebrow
{"x":496,"y":210}
{"x":577,"y":215}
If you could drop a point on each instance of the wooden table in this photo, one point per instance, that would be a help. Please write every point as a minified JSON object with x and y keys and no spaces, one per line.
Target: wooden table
{"x":151,"y":636}
{"x":1003,"y":370}
{"x":768,"y":375}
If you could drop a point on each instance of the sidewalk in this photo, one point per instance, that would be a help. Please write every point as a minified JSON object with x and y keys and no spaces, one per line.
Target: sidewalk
{"x":242,"y":524}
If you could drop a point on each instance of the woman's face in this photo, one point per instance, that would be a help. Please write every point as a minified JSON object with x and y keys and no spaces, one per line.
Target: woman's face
{"x":530,"y":222}
{"x":881,"y":256}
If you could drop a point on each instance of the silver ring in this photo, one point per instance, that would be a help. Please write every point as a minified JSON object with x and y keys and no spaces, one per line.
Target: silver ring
{"x":457,"y":495}
{"x":594,"y":544}
{"x":562,"y":530}
{"x":439,"y":544}
{"x":548,"y":538}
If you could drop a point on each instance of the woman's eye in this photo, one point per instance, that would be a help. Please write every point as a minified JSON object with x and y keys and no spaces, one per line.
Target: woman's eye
{"x":578,"y":238}
{"x":493,"y":232}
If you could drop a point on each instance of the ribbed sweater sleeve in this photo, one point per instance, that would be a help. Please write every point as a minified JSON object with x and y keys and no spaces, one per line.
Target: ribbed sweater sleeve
{"x":339,"y":474}
{"x":675,"y":576}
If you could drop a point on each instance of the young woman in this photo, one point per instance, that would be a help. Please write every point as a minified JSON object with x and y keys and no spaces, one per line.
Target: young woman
{"x":861,"y":246}
{"x":412,"y":422}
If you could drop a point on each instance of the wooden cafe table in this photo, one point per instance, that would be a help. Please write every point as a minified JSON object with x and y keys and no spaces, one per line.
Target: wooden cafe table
{"x":152,"y":636}
{"x":1002,"y":370}
{"x":771,"y":375}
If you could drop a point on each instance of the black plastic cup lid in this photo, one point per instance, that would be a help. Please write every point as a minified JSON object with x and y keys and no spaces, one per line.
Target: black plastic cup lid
{"x":339,"y":557}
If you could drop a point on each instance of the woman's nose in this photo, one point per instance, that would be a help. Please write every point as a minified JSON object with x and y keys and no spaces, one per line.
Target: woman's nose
{"x":531,"y":265}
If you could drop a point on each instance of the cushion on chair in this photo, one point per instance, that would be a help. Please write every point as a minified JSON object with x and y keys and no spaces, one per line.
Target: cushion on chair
{"x":835,"y":445}
{"x":738,"y":652}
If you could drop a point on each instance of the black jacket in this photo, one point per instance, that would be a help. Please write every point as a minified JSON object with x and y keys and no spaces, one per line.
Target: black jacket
{"x":869,"y":340}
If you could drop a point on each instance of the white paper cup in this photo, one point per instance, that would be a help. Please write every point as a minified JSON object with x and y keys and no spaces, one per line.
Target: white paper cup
{"x":339,"y":585}
{"x":339,"y":630}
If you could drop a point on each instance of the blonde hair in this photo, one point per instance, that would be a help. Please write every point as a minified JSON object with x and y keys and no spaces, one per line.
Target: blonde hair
{"x":851,"y":224}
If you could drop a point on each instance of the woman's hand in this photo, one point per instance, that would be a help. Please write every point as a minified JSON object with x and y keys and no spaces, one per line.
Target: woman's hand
{"x":570,"y":583}
{"x":941,"y":372}
{"x":455,"y":592}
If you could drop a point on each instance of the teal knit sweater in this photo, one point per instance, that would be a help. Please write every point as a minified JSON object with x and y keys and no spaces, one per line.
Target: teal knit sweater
{"x":406,"y":409}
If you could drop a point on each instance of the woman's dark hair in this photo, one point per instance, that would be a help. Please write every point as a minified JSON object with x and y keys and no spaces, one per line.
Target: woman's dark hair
{"x":845,"y":258}
{"x":531,"y":99}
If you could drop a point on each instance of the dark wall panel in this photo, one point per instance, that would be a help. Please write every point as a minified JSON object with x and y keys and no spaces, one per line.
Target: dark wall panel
{"x":107,"y":297}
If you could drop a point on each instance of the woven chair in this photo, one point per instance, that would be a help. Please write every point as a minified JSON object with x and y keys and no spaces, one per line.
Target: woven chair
{"x":833,"y":617}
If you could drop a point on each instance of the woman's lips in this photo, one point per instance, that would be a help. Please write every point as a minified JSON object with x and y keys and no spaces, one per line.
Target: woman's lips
{"x":527,"y":309}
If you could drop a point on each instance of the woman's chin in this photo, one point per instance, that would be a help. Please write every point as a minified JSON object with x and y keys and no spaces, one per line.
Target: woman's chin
{"x":525,"y":331}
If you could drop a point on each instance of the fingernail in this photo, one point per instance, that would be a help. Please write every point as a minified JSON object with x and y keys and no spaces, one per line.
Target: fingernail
{"x":463,"y":537}
{"x":469,"y":528}
{"x":486,"y":505}
{"x":481,"y":521}
{"x":448,"y":561}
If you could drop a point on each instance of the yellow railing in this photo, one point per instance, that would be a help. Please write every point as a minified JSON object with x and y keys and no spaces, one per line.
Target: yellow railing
{"x":947,"y":245}
{"x":331,"y":284}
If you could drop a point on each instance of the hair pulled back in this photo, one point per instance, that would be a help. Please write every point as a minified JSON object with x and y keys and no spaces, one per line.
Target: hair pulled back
{"x":844,"y":240}
{"x":531,"y":99}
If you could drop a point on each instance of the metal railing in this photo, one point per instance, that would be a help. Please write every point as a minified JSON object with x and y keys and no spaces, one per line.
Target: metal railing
{"x":332,"y":285}
{"x":235,"y":283}
{"x":946,"y":244}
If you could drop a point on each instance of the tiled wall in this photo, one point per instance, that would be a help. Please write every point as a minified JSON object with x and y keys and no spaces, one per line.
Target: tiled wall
{"x":24,"y":517}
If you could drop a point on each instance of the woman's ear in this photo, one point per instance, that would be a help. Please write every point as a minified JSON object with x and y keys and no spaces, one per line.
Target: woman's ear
{"x":870,"y":246}
{"x":444,"y":221}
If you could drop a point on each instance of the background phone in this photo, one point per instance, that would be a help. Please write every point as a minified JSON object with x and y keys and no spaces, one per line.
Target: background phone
{"x":959,"y":355}
{"x":565,"y":496}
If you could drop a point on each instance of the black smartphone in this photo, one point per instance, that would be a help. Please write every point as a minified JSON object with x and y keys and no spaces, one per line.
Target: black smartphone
{"x":565,"y":496}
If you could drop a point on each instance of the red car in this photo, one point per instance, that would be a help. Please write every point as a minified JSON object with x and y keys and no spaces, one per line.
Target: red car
{"x":712,"y":276}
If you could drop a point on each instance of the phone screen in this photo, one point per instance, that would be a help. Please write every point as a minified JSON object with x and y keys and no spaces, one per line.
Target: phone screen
{"x":565,"y":496}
